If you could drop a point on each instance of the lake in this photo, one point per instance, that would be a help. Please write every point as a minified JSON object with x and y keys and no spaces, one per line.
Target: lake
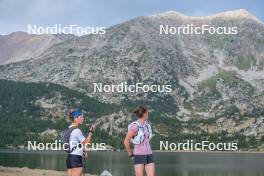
{"x":167,"y":164}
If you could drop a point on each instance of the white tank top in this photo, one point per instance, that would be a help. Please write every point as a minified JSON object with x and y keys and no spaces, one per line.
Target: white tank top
{"x":75,"y":139}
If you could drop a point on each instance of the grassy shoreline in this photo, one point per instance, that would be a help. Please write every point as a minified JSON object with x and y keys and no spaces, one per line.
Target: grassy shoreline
{"x":24,"y":171}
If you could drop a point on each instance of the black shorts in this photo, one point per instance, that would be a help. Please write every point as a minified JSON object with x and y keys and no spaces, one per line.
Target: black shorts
{"x":74,"y":161}
{"x":143,"y":159}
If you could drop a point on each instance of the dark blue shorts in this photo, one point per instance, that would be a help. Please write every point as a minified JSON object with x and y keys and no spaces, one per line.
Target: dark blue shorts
{"x":74,"y":161}
{"x":143,"y":159}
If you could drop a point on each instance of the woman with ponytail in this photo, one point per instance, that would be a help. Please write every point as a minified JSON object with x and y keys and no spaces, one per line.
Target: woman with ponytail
{"x":140,"y":133}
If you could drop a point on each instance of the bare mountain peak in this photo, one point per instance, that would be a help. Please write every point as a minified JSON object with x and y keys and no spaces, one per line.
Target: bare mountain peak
{"x":240,"y":13}
{"x":172,"y":13}
{"x":19,"y":46}
{"x":17,"y":35}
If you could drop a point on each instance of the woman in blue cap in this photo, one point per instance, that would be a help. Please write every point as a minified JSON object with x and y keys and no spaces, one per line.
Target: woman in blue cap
{"x":77,"y":141}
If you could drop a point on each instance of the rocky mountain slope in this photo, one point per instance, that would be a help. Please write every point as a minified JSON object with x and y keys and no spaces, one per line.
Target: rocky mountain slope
{"x":19,"y":46}
{"x":214,"y":77}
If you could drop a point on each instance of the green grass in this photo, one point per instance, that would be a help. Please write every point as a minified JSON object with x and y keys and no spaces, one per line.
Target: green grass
{"x":229,"y":77}
{"x":209,"y":83}
{"x":245,"y":63}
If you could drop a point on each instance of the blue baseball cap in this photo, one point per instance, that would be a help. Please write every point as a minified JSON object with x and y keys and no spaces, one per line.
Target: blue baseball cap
{"x":76,"y":113}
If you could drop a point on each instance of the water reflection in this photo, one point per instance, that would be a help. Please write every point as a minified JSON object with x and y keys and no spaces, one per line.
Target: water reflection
{"x":167,"y":164}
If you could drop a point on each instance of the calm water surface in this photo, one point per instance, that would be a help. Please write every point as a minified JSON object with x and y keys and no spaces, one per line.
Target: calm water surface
{"x":167,"y":164}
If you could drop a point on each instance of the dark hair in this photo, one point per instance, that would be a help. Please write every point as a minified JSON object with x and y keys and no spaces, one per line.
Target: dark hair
{"x":70,"y":111}
{"x":140,"y":111}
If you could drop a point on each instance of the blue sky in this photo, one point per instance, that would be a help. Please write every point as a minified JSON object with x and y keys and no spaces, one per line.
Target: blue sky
{"x":15,"y":15}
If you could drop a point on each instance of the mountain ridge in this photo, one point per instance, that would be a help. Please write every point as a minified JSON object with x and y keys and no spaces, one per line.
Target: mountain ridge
{"x":216,"y":77}
{"x":240,"y":13}
{"x":19,"y":46}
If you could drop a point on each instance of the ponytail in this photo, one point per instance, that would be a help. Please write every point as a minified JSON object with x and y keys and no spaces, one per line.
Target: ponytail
{"x":140,"y":111}
{"x":70,"y":113}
